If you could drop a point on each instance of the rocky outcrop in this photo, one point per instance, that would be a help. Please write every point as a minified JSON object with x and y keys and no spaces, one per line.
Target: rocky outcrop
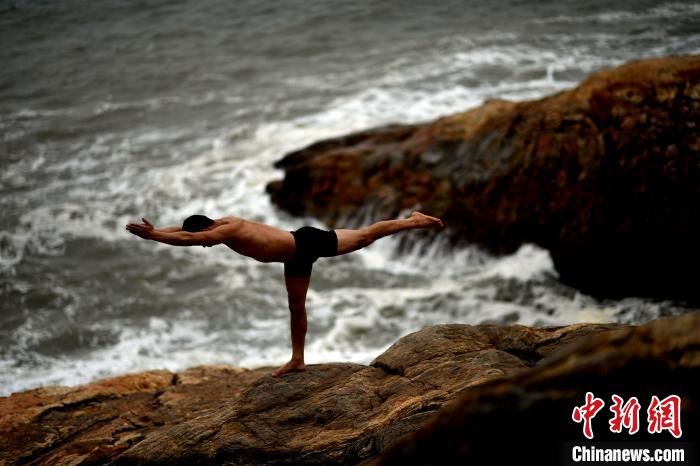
{"x":340,"y":413}
{"x":526,"y":418}
{"x":605,"y":176}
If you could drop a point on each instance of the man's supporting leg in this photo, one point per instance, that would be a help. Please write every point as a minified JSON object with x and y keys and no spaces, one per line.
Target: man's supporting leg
{"x":352,"y":240}
{"x":296,"y":294}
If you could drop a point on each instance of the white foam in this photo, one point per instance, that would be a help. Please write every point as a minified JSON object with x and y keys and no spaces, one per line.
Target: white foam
{"x":666,"y":11}
{"x":528,"y":263}
{"x":11,"y":248}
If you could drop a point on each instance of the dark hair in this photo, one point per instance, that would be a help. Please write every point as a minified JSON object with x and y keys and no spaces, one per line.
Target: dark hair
{"x":196,"y":223}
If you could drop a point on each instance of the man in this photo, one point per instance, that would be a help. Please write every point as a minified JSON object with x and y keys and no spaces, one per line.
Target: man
{"x":297,"y":250}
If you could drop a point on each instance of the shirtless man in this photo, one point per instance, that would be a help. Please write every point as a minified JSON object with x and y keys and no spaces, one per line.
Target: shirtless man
{"x":297,"y":250}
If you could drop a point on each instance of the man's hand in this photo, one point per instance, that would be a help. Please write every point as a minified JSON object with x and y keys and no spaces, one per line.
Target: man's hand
{"x":174,"y":236}
{"x":144,"y":230}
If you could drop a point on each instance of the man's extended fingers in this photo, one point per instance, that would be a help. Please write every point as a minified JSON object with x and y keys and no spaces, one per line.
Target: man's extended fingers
{"x":139,"y":231}
{"x":134,"y":228}
{"x":147,"y":222}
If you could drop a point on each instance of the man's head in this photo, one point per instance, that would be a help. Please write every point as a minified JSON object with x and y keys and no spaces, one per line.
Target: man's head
{"x":197,"y":223}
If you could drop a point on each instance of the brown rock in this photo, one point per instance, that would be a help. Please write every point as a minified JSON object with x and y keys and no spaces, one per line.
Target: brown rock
{"x":526,"y":418}
{"x":332,"y":413}
{"x":605,"y":176}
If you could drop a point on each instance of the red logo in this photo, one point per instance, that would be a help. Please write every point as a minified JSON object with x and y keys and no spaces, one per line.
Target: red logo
{"x":626,"y":415}
{"x":587,"y":412}
{"x":665,"y":415}
{"x":661,"y":415}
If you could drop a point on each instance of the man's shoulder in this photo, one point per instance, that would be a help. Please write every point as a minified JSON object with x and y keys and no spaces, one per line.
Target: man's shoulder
{"x":230,"y":220}
{"x":230,"y":223}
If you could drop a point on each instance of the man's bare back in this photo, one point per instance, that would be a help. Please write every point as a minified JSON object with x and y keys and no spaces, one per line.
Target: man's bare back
{"x":262,"y":242}
{"x":298,"y":251}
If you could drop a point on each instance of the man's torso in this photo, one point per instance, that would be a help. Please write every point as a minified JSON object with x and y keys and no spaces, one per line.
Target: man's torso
{"x":262,"y":242}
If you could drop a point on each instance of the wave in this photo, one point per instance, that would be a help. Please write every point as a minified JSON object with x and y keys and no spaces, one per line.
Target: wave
{"x":669,"y":11}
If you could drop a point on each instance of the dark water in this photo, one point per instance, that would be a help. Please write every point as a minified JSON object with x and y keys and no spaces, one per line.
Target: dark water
{"x":113,"y":110}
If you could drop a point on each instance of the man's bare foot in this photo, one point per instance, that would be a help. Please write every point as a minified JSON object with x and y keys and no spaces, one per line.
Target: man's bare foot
{"x":291,"y":366}
{"x":426,"y":221}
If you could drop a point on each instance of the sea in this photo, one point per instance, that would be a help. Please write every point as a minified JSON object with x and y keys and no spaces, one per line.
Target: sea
{"x":115,"y":110}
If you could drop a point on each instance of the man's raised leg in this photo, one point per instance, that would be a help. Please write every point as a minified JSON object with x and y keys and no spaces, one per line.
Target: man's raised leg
{"x":296,"y":295}
{"x":352,"y":240}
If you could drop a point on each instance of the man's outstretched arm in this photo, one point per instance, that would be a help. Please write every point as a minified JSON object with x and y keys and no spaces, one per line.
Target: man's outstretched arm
{"x":146,"y":230}
{"x":170,"y":229}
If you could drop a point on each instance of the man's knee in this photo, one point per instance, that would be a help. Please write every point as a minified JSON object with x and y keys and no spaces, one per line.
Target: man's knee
{"x":297,"y":306}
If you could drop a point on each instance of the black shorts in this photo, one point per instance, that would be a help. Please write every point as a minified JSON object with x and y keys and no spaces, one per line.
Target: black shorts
{"x":311,"y":243}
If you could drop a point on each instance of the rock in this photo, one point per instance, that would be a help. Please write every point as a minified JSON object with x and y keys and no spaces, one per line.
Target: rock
{"x":605,"y":176}
{"x":526,"y":418}
{"x":340,"y":413}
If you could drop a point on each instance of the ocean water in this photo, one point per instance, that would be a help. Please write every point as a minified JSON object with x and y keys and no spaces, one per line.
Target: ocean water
{"x":115,"y":110}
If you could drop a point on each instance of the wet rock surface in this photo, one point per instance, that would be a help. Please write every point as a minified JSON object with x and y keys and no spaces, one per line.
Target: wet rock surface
{"x":332,"y":413}
{"x":528,"y":416}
